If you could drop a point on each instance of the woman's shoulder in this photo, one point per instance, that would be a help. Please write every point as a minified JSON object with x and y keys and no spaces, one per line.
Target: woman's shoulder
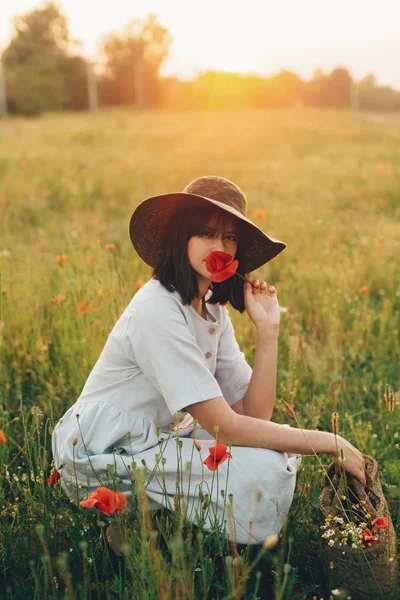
{"x":154,"y":299}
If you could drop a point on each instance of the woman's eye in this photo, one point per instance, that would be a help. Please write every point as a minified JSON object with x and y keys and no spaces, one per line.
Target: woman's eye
{"x":232,"y":238}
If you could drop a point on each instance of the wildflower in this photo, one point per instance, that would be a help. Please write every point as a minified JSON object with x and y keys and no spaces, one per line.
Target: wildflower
{"x":367,"y":539}
{"x":380,"y":169}
{"x":383,"y":202}
{"x":380,"y":523}
{"x":53,"y":301}
{"x":61,"y":258}
{"x":198,"y":445}
{"x":60,"y":298}
{"x":380,"y":242}
{"x":46,"y":192}
{"x":218,"y":454}
{"x":364,"y":290}
{"x":259,"y":214}
{"x":289,"y":409}
{"x":270,"y":542}
{"x":3,"y":438}
{"x":139,"y":284}
{"x":90,"y":258}
{"x":2,"y":324}
{"x":82,"y":307}
{"x":335,"y":423}
{"x":106,"y":500}
{"x":53,"y":477}
{"x":23,"y":164}
{"x":221,"y":266}
{"x":96,"y":222}
{"x":110,"y":247}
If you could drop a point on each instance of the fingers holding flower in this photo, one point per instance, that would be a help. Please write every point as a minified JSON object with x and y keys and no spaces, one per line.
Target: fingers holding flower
{"x":261,"y":302}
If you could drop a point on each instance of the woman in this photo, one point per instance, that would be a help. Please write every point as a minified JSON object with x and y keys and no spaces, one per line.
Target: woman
{"x":174,"y":349}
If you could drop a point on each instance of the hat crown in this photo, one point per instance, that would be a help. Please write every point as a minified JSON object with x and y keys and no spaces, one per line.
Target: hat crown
{"x":219,"y":189}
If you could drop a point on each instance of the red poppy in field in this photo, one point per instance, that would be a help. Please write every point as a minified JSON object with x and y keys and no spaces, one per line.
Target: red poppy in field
{"x":109,"y":247}
{"x":220,"y":265}
{"x":61,"y":258}
{"x":106,"y":500}
{"x":96,"y":222}
{"x":53,"y":477}
{"x":3,"y":438}
{"x":380,"y":523}
{"x":2,"y":324}
{"x":82,"y":307}
{"x":383,"y":202}
{"x":367,"y":539}
{"x":259,"y":214}
{"x":364,"y":289}
{"x":218,"y":454}
{"x":139,"y":284}
{"x":380,"y":169}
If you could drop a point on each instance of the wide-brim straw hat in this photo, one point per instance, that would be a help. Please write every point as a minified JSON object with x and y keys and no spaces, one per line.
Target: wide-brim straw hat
{"x":150,"y":218}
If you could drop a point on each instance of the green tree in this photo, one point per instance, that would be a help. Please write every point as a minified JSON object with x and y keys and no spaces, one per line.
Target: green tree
{"x":43,"y":32}
{"x":133,"y":60}
{"x":40,"y":75}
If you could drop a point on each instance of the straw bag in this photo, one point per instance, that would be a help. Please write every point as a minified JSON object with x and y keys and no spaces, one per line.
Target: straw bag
{"x":367,"y":573}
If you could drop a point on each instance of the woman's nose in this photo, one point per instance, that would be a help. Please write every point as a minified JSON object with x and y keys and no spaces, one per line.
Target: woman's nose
{"x":218,"y":244}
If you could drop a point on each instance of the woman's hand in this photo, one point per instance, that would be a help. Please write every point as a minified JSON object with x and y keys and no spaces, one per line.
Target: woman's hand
{"x":353,"y":459}
{"x":262,"y":305}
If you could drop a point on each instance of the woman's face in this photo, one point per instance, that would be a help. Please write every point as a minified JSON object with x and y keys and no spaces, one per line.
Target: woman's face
{"x":200,"y":245}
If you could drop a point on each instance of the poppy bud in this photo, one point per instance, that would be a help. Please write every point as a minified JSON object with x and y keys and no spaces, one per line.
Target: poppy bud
{"x":75,"y":441}
{"x":270,"y":542}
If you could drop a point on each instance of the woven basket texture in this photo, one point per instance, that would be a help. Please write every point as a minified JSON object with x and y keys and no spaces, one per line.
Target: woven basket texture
{"x":368,"y":573}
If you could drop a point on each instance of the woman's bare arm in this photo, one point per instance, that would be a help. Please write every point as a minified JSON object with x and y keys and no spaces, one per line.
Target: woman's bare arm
{"x":258,"y":433}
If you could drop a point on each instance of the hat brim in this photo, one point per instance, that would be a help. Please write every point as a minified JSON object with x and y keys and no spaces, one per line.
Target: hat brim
{"x":150,"y":217}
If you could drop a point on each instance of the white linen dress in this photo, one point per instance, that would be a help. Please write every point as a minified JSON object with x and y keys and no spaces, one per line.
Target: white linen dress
{"x":160,"y":358}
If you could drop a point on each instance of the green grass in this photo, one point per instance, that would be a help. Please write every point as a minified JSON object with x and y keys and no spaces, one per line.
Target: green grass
{"x":328,"y":183}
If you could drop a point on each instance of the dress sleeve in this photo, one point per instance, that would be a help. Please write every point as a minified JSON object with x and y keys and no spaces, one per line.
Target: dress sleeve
{"x":167,"y":353}
{"x":233,"y":373}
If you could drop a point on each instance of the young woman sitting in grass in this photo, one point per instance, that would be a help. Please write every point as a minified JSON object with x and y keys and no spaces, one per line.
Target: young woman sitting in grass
{"x":173,"y":350}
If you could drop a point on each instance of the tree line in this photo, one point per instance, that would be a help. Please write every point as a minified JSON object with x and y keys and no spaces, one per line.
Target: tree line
{"x":42,"y":72}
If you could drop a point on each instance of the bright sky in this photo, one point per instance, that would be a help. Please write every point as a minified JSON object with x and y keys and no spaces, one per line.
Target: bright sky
{"x":258,"y":36}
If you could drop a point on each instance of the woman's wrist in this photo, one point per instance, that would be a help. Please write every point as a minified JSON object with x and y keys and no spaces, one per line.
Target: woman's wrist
{"x":267,"y":331}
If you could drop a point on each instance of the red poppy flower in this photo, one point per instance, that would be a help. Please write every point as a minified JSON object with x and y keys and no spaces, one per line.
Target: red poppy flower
{"x":218,"y":454}
{"x":53,"y":477}
{"x":106,"y":500}
{"x":367,"y":539}
{"x":82,"y":308}
{"x":380,"y":523}
{"x":221,"y":266}
{"x":3,"y":438}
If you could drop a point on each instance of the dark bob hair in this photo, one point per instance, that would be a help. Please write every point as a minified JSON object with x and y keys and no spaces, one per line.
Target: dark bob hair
{"x":174,"y":270}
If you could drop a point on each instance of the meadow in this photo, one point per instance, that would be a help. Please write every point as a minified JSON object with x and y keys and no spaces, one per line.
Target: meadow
{"x":325,"y":182}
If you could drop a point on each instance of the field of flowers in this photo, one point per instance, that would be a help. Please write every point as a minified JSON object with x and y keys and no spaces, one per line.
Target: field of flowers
{"x":325,"y":182}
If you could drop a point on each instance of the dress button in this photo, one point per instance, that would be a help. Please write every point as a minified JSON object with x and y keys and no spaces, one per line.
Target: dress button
{"x":211,"y":330}
{"x":209,"y":355}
